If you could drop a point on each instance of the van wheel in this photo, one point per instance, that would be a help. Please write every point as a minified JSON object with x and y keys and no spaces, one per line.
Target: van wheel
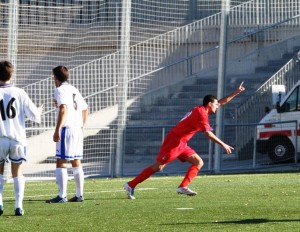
{"x":281,"y":150}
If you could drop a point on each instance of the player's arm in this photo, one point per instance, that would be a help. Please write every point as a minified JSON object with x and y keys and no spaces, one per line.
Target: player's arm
{"x":62,"y":114}
{"x":214,"y":138}
{"x":85,"y":114}
{"x":41,"y":109}
{"x":228,"y":98}
{"x":32,"y":112}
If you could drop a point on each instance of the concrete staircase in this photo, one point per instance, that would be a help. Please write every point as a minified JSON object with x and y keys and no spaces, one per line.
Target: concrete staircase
{"x":275,"y":65}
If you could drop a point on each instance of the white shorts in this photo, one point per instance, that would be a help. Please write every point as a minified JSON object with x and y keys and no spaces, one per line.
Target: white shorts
{"x":70,"y":146}
{"x":12,"y":150}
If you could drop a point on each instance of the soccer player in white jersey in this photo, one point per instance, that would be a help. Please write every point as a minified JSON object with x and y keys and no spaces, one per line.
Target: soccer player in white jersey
{"x":15,"y":107}
{"x":72,"y":114}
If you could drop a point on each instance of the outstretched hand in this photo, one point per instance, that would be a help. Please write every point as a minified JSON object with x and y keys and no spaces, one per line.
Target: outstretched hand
{"x":228,"y":148}
{"x":240,"y":88}
{"x":41,"y":108}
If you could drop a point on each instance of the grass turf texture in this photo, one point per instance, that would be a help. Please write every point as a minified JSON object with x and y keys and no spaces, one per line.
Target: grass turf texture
{"x":255,"y":202}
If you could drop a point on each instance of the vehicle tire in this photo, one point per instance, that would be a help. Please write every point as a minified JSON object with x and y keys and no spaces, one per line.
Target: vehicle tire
{"x":281,"y":150}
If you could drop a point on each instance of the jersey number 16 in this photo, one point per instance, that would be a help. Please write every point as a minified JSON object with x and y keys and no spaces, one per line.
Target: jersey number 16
{"x":10,"y":111}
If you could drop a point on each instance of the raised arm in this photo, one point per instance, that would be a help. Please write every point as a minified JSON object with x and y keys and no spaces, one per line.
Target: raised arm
{"x":228,"y":98}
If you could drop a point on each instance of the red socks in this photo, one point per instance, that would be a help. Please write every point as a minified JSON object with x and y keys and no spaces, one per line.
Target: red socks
{"x":145,"y":174}
{"x":190,"y":175}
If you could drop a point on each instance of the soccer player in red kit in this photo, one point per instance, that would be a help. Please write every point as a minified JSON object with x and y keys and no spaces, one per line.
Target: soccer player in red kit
{"x":175,"y":144}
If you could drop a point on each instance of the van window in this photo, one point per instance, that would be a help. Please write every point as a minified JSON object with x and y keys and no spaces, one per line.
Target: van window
{"x":292,"y":103}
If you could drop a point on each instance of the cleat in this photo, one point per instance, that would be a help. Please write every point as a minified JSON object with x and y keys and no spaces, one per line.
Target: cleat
{"x":129,"y":191}
{"x":1,"y":210}
{"x":186,"y":191}
{"x":19,"y":212}
{"x":57,"y":199}
{"x":76,"y":199}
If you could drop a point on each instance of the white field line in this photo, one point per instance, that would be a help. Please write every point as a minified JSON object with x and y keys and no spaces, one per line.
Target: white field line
{"x":85,"y":193}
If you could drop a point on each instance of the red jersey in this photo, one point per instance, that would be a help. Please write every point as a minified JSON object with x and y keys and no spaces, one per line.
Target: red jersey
{"x":192,"y":122}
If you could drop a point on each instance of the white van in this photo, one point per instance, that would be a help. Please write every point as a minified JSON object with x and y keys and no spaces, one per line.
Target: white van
{"x":279,"y":132}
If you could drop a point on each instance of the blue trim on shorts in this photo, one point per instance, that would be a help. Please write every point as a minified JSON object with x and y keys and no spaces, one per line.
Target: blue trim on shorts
{"x":18,"y":160}
{"x":69,"y":157}
{"x":63,"y":154}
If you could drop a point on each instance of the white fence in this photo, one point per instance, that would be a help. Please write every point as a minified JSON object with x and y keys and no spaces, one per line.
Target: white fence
{"x":175,"y":55}
{"x":161,"y":51}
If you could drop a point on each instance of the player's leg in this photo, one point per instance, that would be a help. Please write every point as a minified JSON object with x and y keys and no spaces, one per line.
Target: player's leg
{"x":1,"y":187}
{"x":61,"y":177}
{"x":79,"y":180}
{"x":144,"y":175}
{"x":169,"y":151}
{"x":193,"y":170}
{"x":163,"y":158}
{"x":61,"y":172}
{"x":17,"y":154}
{"x":76,"y":154}
{"x":19,"y":187}
{"x":4,"y":150}
{"x":196,"y":164}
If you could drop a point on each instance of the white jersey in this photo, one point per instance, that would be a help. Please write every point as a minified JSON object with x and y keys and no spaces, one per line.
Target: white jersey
{"x":15,"y":106}
{"x":68,"y":95}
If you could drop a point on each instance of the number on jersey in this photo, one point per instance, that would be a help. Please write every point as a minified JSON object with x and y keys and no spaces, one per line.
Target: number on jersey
{"x":9,"y":111}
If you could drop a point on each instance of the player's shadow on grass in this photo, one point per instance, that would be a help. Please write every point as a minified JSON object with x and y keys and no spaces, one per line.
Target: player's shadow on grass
{"x":244,"y":221}
{"x":257,"y":221}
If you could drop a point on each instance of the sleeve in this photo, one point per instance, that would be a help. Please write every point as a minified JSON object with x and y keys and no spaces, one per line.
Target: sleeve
{"x":83,"y":103}
{"x":60,"y":97}
{"x":204,"y":122}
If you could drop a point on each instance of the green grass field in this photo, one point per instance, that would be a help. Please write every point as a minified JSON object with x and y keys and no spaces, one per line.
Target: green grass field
{"x":254,"y":202}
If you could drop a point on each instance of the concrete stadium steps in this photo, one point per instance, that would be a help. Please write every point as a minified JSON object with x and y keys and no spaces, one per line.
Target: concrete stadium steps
{"x":275,"y":65}
{"x":173,"y":100}
{"x":154,"y":116}
{"x":172,"y":107}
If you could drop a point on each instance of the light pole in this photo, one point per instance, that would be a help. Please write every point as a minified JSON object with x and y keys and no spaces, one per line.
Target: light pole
{"x":221,"y":81}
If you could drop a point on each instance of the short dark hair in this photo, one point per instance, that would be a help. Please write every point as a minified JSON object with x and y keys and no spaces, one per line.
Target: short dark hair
{"x":61,"y":73}
{"x":208,"y":98}
{"x":6,"y":70}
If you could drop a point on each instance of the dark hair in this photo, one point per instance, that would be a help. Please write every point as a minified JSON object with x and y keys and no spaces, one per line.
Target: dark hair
{"x":6,"y":70}
{"x":61,"y":73}
{"x":208,"y":98}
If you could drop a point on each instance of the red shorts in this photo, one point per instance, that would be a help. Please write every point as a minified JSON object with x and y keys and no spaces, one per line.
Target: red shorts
{"x":173,"y":148}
